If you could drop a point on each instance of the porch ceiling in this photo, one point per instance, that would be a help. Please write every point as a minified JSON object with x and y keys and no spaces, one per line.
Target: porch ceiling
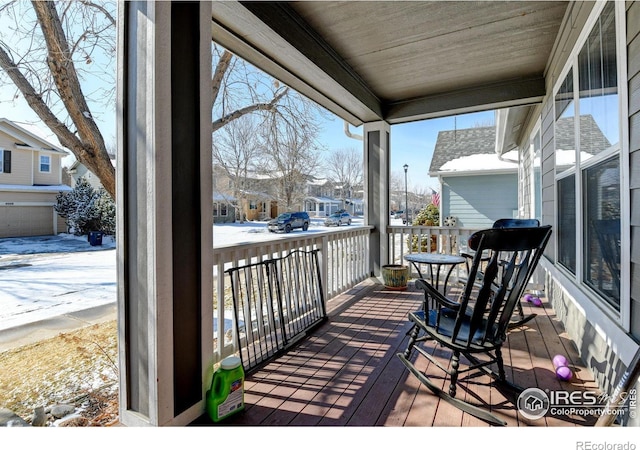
{"x":398,"y":60}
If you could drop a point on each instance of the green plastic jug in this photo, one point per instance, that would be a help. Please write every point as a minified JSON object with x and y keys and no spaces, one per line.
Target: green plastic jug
{"x":226,"y":396}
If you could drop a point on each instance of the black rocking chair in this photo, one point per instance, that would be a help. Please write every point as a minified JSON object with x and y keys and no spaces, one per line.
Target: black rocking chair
{"x":507,"y":223}
{"x":477,"y":323}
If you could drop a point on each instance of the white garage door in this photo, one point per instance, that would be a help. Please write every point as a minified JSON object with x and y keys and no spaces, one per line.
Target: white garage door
{"x":26,"y":221}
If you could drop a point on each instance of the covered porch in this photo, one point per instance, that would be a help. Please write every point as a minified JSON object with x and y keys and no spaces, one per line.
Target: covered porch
{"x":335,"y":54}
{"x":347,"y":373}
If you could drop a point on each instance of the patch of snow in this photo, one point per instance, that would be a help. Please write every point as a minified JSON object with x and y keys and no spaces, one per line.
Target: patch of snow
{"x":477,"y":162}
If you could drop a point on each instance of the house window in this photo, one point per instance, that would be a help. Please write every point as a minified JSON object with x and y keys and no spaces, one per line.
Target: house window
{"x":223,"y":209}
{"x":5,"y":161}
{"x":587,"y":159}
{"x":536,"y":145}
{"x":215,"y":209}
{"x":253,"y":204}
{"x":45,"y":163}
{"x":602,"y":229}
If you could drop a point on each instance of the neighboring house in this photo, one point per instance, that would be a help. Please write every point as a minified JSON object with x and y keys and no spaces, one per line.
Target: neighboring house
{"x":30,"y":180}
{"x":323,"y":199}
{"x":476,"y":186}
{"x":321,"y":206}
{"x":224,"y":208}
{"x":78,"y":170}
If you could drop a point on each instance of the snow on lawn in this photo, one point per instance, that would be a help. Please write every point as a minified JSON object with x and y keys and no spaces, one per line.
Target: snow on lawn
{"x":43,"y":277}
{"x":239,"y":233}
{"x":47,"y":276}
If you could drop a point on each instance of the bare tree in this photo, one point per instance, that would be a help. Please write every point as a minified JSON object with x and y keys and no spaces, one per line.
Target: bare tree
{"x":345,"y":169}
{"x":287,"y":122}
{"x":48,"y":52}
{"x":396,"y":185}
{"x":293,"y":155}
{"x":237,"y":150}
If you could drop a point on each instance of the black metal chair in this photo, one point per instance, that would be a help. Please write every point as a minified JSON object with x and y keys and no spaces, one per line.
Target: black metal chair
{"x":475,"y":325}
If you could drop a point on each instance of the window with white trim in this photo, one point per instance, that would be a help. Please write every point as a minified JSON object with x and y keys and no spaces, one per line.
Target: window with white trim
{"x":5,"y":161}
{"x":45,"y":163}
{"x":587,"y":159}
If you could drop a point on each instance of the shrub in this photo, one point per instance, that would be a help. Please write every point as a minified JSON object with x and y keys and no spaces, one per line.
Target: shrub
{"x":87,"y":209}
{"x":428,"y":216}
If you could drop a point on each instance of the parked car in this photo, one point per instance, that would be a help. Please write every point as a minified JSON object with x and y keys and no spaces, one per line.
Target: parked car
{"x":288,"y":221}
{"x":338,"y":219}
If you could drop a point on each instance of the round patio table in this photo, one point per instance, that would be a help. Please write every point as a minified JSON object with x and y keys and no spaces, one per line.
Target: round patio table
{"x":437,"y":260}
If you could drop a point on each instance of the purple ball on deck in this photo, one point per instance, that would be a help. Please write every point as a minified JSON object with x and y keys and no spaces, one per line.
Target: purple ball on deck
{"x":536,"y":301}
{"x":527,"y":297}
{"x":559,"y":361}
{"x":564,"y":373}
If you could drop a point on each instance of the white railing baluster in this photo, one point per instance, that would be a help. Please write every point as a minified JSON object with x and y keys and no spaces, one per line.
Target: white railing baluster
{"x":343,"y":255}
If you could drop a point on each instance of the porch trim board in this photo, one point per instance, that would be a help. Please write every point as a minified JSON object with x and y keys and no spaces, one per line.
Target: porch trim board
{"x":164,"y":216}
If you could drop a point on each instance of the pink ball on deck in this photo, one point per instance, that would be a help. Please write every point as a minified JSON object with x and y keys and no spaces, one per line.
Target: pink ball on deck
{"x":564,"y":373}
{"x":527,"y":297}
{"x":536,"y":301}
{"x":559,"y":361}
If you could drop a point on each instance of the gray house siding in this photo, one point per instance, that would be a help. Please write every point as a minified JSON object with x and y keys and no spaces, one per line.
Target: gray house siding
{"x":588,"y":325}
{"x":633,"y":68}
{"x":472,"y":199}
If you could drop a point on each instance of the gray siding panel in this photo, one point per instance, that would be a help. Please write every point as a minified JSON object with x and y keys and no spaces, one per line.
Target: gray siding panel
{"x":634,"y":170}
{"x":634,"y":132}
{"x":478,"y":201}
{"x":548,"y":175}
{"x":633,"y":67}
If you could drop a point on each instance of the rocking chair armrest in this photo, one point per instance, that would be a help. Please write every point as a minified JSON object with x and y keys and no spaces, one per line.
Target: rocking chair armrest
{"x":436,"y":295}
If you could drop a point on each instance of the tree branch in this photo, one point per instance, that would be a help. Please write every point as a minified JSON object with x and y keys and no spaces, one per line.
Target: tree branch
{"x":218,"y":76}
{"x":217,"y":124}
{"x":68,"y":87}
{"x":66,"y":137}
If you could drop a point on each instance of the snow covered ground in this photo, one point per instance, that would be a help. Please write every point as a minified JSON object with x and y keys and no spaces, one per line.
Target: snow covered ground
{"x":43,"y":277}
{"x":48,"y":276}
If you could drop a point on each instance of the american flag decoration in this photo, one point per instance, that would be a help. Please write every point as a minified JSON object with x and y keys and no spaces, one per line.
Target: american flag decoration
{"x":435,"y":199}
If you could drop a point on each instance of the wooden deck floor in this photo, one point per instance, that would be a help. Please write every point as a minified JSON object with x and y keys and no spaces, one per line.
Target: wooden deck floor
{"x":347,"y":372}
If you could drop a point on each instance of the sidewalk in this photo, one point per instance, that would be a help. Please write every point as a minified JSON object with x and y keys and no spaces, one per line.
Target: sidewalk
{"x":29,"y":333}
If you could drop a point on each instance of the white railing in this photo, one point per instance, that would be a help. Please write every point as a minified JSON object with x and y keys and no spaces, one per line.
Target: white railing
{"x":404,"y":240}
{"x":344,"y":262}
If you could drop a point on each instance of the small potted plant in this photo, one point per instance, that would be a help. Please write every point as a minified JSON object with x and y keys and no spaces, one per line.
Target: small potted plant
{"x":395,"y":276}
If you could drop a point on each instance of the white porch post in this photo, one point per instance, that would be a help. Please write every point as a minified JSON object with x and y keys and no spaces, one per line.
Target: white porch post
{"x":164,"y":210}
{"x":376,"y":173}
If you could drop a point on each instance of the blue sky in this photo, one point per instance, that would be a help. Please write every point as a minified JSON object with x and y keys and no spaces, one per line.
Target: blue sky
{"x":411,"y":143}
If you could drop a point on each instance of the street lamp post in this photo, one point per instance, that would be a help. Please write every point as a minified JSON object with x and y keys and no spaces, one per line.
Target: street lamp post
{"x":406,"y":195}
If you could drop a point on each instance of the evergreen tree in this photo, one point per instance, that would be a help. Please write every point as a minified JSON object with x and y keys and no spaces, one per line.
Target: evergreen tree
{"x":86,"y":209}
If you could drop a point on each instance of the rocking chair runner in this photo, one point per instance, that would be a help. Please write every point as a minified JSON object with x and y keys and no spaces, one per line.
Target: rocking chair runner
{"x":477,"y":323}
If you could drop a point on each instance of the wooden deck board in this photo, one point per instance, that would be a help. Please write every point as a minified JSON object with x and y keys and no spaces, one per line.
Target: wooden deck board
{"x":347,"y":374}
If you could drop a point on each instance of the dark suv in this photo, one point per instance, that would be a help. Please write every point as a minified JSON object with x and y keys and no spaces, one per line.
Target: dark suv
{"x":288,"y":221}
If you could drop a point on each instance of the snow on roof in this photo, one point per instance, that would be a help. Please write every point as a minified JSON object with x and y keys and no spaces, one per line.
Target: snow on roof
{"x":22,"y":187}
{"x":485,"y":162}
{"x":323,"y":199}
{"x":32,"y":135}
